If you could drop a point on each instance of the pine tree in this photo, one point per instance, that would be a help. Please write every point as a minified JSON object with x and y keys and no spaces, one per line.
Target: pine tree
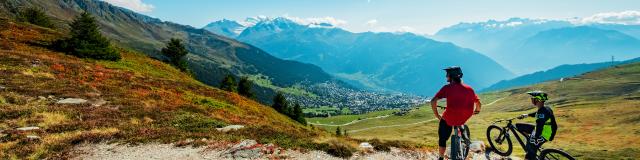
{"x":298,"y":115}
{"x":86,"y":40}
{"x":244,"y":88}
{"x":228,"y":83}
{"x":280,"y":104}
{"x":175,"y":51}
{"x":35,"y":16}
{"x":338,"y":132}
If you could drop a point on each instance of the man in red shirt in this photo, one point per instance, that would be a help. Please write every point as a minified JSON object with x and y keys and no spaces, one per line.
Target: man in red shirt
{"x":460,"y":105}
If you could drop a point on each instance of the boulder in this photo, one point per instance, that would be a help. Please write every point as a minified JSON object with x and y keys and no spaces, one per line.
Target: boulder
{"x":477,"y":147}
{"x":98,"y":103}
{"x":366,"y":146}
{"x":33,"y":137}
{"x":72,"y":101}
{"x":28,"y":128}
{"x":230,"y":128}
{"x":244,"y":144}
{"x":247,"y":149}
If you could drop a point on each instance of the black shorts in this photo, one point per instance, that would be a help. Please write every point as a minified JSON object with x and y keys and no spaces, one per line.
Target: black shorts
{"x":444,"y":131}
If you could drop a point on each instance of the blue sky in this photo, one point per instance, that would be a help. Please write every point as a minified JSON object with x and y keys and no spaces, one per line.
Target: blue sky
{"x":419,"y":16}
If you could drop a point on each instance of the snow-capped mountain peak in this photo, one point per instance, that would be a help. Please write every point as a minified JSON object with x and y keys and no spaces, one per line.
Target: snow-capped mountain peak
{"x":231,"y":28}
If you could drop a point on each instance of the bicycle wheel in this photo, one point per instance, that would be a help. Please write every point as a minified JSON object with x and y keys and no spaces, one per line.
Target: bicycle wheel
{"x":554,"y":154}
{"x":466,"y":142}
{"x":497,"y":138}
{"x":455,"y":148}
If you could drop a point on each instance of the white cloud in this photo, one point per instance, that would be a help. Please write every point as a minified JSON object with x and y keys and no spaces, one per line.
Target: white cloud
{"x":134,"y":5}
{"x":625,"y":17}
{"x":372,"y":22}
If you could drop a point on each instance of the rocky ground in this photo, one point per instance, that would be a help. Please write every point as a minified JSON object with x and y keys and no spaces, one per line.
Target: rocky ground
{"x":247,"y":149}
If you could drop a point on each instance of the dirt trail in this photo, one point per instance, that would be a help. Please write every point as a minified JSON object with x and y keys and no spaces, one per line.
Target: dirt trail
{"x":350,"y":123}
{"x":154,"y":151}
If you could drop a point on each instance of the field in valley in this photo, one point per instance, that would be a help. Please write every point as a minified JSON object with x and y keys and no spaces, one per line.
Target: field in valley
{"x":598,"y":115}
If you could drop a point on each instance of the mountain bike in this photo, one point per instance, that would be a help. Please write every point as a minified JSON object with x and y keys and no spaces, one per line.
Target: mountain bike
{"x":460,"y":141}
{"x":500,"y":141}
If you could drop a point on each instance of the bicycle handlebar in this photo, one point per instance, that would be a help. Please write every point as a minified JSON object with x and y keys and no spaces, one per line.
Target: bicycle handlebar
{"x":509,"y":119}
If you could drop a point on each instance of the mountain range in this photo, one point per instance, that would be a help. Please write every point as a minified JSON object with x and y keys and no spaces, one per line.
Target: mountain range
{"x":402,"y":62}
{"x":556,"y":73}
{"x":530,"y":45}
{"x":211,"y":56}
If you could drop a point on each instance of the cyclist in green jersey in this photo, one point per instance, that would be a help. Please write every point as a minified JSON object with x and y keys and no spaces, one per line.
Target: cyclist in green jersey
{"x":545,"y":127}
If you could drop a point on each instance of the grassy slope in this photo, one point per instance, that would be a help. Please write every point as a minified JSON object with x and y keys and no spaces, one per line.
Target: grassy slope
{"x":598,"y":114}
{"x":147,"y":100}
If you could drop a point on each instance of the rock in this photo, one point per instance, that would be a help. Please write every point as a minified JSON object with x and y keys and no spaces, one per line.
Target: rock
{"x":230,"y":128}
{"x":33,"y":137}
{"x":72,"y":101}
{"x":477,"y":147}
{"x":248,"y":153}
{"x":247,"y":149}
{"x":366,"y":146}
{"x":244,"y":144}
{"x":2,"y":87}
{"x":98,"y":103}
{"x":28,"y":128}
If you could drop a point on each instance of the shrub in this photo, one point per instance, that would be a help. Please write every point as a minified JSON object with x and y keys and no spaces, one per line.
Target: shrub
{"x":379,"y":145}
{"x":35,"y":16}
{"x":192,"y":122}
{"x":340,"y":150}
{"x":86,"y":41}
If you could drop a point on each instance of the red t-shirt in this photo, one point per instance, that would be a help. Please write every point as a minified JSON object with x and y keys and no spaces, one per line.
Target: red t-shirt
{"x":460,"y":102}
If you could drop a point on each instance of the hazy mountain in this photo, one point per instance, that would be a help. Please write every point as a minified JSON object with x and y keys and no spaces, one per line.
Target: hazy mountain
{"x":526,"y":45}
{"x":493,"y":36}
{"x":563,"y":71}
{"x":573,"y":45}
{"x":390,"y":61}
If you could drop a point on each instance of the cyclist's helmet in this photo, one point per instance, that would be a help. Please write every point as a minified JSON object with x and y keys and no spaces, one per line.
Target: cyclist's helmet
{"x":454,"y":71}
{"x":539,"y":95}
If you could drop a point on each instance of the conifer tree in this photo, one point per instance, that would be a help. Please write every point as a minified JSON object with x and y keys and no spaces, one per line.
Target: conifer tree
{"x":175,"y":51}
{"x":86,"y":41}
{"x":228,"y":83}
{"x":244,"y":88}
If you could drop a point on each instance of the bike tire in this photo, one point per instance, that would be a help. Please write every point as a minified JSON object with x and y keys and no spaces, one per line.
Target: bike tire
{"x":492,"y":142}
{"x":455,"y":148}
{"x":466,"y":141}
{"x":554,"y":154}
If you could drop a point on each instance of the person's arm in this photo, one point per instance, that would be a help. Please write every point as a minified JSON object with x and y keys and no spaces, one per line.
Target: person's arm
{"x":532,"y":114}
{"x":434,"y":101}
{"x":434,"y":107}
{"x":478,"y":104}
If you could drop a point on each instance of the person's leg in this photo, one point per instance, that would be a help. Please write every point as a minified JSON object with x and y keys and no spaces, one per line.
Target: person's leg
{"x":444,"y":131}
{"x":532,"y":150}
{"x":526,"y":128}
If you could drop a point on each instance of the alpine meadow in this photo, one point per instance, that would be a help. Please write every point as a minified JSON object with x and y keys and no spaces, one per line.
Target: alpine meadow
{"x":330,"y":79}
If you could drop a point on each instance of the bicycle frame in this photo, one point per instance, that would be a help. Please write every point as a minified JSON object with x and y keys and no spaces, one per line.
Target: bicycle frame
{"x":513,"y":129}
